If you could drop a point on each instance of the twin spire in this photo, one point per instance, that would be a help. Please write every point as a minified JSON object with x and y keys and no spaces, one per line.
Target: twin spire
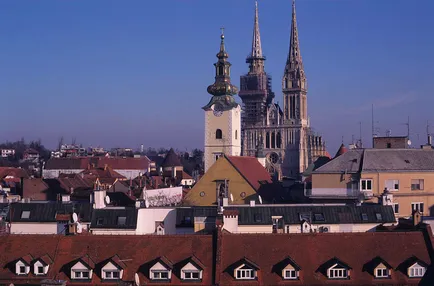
{"x":256,"y":43}
{"x":294,"y":60}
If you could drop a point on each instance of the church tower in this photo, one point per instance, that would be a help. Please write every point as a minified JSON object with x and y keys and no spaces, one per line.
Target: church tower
{"x":294,"y":83}
{"x":222,"y":113}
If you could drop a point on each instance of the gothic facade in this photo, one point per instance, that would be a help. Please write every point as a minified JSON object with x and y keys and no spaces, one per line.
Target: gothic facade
{"x":283,"y":135}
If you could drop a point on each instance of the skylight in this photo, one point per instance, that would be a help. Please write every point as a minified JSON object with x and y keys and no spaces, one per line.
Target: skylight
{"x":378,"y":216}
{"x":122,"y":220}
{"x":25,"y":214}
{"x":364,"y":217}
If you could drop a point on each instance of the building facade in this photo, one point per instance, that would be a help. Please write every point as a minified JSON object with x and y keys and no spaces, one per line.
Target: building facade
{"x":289,"y":143}
{"x":222,"y":113}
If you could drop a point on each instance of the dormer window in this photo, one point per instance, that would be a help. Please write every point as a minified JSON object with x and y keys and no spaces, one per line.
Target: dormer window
{"x":41,"y":265}
{"x":416,"y":270}
{"x":161,"y":269}
{"x":338,"y":272}
{"x":25,"y":215}
{"x":22,"y":266}
{"x":82,"y":269}
{"x":192,"y":270}
{"x":290,"y":269}
{"x":112,"y":268}
{"x":244,"y":269}
{"x":335,"y":269}
{"x":382,"y":272}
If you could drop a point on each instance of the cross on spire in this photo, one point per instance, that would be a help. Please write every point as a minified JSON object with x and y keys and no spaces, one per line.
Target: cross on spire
{"x":222,"y":29}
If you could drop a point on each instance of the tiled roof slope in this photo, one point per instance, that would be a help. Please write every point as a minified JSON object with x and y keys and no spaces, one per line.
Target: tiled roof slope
{"x":250,"y":169}
{"x":135,"y":251}
{"x":14,"y":172}
{"x":116,"y":163}
{"x":381,"y":160}
{"x":310,"y":251}
{"x":349,"y":161}
{"x":171,"y":160}
{"x":398,"y":160}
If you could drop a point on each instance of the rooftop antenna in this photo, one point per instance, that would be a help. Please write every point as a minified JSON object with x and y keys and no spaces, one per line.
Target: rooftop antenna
{"x":360,"y":138}
{"x":74,"y":217}
{"x":373,"y":126}
{"x":260,"y":199}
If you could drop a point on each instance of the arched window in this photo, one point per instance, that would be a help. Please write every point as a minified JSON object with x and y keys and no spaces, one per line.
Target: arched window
{"x":236,"y":134}
{"x":273,"y":140}
{"x":278,"y":140}
{"x":218,"y":134}
{"x":220,"y":70}
{"x":267,"y":140}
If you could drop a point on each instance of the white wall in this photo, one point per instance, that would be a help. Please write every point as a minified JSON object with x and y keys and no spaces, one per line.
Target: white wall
{"x":19,"y":264}
{"x":130,"y":174}
{"x":102,"y":231}
{"x":295,"y":228}
{"x":52,"y":174}
{"x":230,"y":223}
{"x":33,"y":228}
{"x":163,"y":197}
{"x":146,"y":219}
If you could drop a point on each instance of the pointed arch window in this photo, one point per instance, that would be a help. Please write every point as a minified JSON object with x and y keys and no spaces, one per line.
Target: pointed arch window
{"x":273,"y":140}
{"x":278,"y":140}
{"x":267,"y":140}
{"x":218,"y":134}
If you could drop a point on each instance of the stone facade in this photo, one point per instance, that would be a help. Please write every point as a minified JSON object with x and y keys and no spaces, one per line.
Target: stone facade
{"x":289,"y":143}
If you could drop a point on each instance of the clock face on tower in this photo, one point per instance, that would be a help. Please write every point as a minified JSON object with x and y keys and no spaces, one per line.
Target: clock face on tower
{"x":218,"y":110}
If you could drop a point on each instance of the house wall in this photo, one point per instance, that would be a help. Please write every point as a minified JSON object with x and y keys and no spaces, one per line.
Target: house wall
{"x":333,"y":181}
{"x":148,"y":217}
{"x":296,"y":228}
{"x":33,"y":228}
{"x":130,"y":174}
{"x":102,"y":231}
{"x":54,"y":173}
{"x":221,"y":170}
{"x":405,"y":196}
{"x":163,"y":196}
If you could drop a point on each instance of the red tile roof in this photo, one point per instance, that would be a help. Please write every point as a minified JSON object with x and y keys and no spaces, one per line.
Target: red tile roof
{"x":35,"y":189}
{"x":116,"y":163}
{"x":310,"y":251}
{"x":105,"y":172}
{"x":250,"y":169}
{"x":342,"y":150}
{"x":13,"y":172}
{"x":134,"y":253}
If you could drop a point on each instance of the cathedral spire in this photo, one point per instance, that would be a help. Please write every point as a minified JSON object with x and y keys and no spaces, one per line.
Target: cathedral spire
{"x":256,"y":59}
{"x":294,"y":56}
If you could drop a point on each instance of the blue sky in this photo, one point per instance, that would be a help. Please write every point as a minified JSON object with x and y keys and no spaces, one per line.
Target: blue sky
{"x":125,"y":73}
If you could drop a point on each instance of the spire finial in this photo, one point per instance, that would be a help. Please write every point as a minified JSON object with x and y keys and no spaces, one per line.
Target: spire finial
{"x":222,"y":35}
{"x":222,"y":53}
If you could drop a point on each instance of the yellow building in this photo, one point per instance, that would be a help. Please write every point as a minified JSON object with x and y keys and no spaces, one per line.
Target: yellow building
{"x":365,"y":173}
{"x":238,"y":180}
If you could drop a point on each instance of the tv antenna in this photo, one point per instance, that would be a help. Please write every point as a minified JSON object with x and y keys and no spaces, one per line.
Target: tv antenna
{"x":260,"y":199}
{"x":107,"y":200}
{"x":74,"y":217}
{"x":232,"y":198}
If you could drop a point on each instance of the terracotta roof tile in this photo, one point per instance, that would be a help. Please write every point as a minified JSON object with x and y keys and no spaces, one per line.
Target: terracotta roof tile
{"x":14,"y":172}
{"x":251,"y":170}
{"x":134,"y":251}
{"x":342,"y":150}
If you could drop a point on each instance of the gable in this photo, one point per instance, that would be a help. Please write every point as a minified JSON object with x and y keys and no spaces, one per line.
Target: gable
{"x":79,"y":266}
{"x":190,"y":266}
{"x":158,"y":266}
{"x":239,"y":187}
{"x":110,"y":266}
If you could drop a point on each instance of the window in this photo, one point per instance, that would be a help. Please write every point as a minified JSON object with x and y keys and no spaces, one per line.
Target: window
{"x":22,"y":270}
{"x":366,"y":185}
{"x":417,"y":271}
{"x":245,"y":274}
{"x":337,"y":273}
{"x":417,"y":185}
{"x":187,"y":220}
{"x":258,"y":218}
{"x":220,"y":70}
{"x":25,"y":214}
{"x":236,"y":134}
{"x":396,"y":208}
{"x":218,"y":134}
{"x":161,"y":274}
{"x":193,"y":275}
{"x":99,"y":221}
{"x":319,"y":217}
{"x":81,"y":274}
{"x":392,"y":185}
{"x":290,"y":274}
{"x":378,"y":216}
{"x":40,"y":270}
{"x":364,"y":217}
{"x":122,"y":220}
{"x":112,"y":274}
{"x":417,"y":207}
{"x":382,"y":273}
{"x":389,"y":145}
{"x":217,"y":155}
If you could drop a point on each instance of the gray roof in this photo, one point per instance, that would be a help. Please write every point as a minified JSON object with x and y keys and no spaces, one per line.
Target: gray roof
{"x":398,"y":160}
{"x":293,"y":214}
{"x":384,"y":160}
{"x":114,"y":218}
{"x":349,"y":162}
{"x":327,"y":214}
{"x":46,"y":211}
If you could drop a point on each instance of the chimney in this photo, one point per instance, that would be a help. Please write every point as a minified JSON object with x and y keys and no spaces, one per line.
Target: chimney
{"x":429,"y":140}
{"x":252,"y":203}
{"x":225,"y":202}
{"x":65,"y":198}
{"x":417,"y":217}
{"x":174,"y":172}
{"x":99,"y":198}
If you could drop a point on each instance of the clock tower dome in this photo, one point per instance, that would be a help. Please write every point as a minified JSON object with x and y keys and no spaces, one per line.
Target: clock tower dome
{"x":222,"y":113}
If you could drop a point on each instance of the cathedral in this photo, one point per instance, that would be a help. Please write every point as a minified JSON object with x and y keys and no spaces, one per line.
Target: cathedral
{"x":260,"y":127}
